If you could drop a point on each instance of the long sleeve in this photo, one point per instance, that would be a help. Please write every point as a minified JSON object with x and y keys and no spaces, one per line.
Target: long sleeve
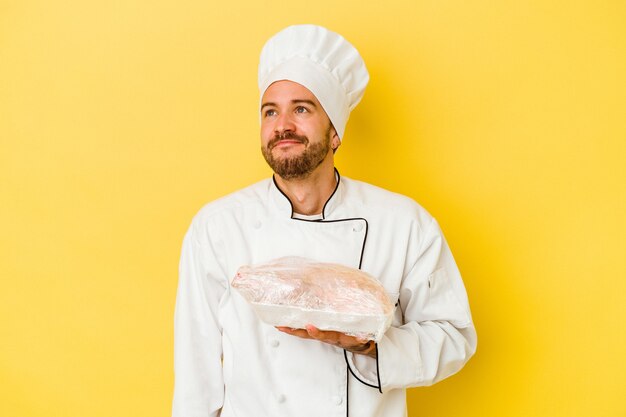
{"x":437,"y":336}
{"x":199,"y":387}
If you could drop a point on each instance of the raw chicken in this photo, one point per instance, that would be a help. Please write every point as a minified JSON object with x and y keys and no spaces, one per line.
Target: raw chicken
{"x":294,"y":292}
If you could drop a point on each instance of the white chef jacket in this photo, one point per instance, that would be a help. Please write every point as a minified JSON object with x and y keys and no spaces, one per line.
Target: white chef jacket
{"x":230,"y":364}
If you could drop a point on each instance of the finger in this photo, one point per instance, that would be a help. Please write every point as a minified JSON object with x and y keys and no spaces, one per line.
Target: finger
{"x":284,"y":329}
{"x":350,"y":342}
{"x":294,"y":332}
{"x":313,"y":331}
{"x":332,"y":337}
{"x":328,"y":336}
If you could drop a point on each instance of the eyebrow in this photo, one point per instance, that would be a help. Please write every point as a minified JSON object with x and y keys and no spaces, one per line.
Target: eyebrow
{"x":296,"y":101}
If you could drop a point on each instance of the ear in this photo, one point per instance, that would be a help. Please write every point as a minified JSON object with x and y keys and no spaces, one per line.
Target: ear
{"x":335,"y":142}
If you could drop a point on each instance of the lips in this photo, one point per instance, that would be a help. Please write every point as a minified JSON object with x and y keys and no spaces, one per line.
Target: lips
{"x":286,"y":142}
{"x":287,"y":139}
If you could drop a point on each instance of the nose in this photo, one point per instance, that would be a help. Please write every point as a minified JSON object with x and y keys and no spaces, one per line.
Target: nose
{"x":284,"y":123}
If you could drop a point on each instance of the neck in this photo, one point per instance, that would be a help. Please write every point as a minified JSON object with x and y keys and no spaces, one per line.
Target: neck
{"x":308,"y":195}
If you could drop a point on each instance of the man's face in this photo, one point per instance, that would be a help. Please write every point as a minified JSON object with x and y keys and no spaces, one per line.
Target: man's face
{"x":296,"y":133}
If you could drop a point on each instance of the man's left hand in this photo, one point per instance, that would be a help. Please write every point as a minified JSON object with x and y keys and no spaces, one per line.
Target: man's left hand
{"x":350,"y":343}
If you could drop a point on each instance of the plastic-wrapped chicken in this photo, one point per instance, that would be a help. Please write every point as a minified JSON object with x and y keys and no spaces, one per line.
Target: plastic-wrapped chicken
{"x":294,"y":292}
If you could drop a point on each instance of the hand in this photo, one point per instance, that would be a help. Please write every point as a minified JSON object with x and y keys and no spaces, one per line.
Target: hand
{"x":350,"y":343}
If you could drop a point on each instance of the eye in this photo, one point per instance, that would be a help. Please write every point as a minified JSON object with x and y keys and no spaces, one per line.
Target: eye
{"x":301,"y":109}
{"x":269,"y":113}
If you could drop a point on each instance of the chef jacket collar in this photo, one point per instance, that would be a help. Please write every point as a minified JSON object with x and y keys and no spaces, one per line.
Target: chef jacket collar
{"x":284,"y":206}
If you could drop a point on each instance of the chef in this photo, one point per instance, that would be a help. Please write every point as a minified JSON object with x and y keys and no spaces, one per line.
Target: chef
{"x":229,"y":363}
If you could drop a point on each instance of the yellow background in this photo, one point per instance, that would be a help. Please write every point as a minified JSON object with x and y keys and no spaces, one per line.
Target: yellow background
{"x":120,"y":119}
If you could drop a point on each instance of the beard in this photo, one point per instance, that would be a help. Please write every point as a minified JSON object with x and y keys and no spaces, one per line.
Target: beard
{"x":298,"y":166}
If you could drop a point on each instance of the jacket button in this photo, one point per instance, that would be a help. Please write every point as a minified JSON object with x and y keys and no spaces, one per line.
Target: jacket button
{"x":281,"y":398}
{"x":274,"y":343}
{"x":257,"y":224}
{"x":337,"y":400}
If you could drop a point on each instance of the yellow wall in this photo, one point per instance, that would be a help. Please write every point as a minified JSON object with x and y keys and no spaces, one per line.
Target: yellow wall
{"x":118,"y":120}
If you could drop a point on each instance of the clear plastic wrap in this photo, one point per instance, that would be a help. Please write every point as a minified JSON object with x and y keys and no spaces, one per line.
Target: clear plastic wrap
{"x":294,"y":292}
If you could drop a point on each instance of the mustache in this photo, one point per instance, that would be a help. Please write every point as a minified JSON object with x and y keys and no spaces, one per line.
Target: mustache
{"x":286,"y":135}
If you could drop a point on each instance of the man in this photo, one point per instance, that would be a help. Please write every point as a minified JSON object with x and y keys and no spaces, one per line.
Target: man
{"x":229,"y":363}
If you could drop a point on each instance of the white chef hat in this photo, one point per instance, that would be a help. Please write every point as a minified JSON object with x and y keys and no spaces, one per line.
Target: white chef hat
{"x":320,"y":60}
